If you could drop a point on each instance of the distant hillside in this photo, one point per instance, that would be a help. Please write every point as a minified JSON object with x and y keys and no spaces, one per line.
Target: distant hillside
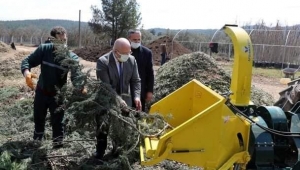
{"x":208,"y":32}
{"x":68,"y":24}
{"x":42,"y":23}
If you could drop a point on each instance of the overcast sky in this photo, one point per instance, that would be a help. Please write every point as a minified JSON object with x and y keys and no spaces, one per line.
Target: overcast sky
{"x":173,"y":14}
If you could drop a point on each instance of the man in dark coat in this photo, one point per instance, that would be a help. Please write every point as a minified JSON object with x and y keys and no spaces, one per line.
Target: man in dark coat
{"x":118,"y":69}
{"x":53,"y":77}
{"x":12,"y":45}
{"x":144,"y":60}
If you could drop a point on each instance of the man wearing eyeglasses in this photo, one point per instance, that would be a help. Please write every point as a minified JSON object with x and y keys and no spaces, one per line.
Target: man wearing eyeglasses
{"x":119,"y":69}
{"x":144,"y":60}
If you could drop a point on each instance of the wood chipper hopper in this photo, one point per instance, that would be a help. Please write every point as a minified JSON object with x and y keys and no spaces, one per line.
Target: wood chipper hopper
{"x":201,"y":134}
{"x":225,"y":132}
{"x":206,"y":132}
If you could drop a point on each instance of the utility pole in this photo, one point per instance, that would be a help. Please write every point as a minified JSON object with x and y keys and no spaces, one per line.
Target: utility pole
{"x":79,"y":45}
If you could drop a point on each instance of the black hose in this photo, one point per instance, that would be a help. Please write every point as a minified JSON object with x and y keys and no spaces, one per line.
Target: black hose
{"x":273,"y":131}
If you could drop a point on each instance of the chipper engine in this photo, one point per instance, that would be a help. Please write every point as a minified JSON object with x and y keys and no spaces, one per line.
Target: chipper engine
{"x":225,"y":131}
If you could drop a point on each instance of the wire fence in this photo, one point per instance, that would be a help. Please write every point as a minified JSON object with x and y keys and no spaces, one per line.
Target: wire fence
{"x":280,"y":47}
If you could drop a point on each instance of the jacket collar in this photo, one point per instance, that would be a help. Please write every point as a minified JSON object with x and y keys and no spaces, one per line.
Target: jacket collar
{"x":140,"y":48}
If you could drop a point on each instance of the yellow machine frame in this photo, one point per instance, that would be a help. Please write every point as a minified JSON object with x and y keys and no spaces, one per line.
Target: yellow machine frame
{"x":206,"y":132}
{"x":242,"y":66}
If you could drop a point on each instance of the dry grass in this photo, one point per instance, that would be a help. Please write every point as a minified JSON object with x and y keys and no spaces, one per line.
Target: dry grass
{"x":265,"y":72}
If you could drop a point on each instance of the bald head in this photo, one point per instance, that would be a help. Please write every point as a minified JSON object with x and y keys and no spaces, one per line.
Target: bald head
{"x":122,"y":45}
{"x":122,"y":48}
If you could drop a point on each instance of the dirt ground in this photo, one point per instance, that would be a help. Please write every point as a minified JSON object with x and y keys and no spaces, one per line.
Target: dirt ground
{"x":92,"y":53}
{"x":270,"y":85}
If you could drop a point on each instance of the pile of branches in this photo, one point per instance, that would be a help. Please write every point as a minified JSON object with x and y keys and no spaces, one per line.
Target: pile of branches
{"x":203,"y":68}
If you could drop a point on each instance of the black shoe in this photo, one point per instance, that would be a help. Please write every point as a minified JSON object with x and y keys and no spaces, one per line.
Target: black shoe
{"x":98,"y":156}
{"x":111,"y":155}
{"x":38,"y":137}
{"x":57,"y":145}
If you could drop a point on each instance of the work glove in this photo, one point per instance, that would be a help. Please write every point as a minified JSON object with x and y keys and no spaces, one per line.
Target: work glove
{"x":29,"y":79}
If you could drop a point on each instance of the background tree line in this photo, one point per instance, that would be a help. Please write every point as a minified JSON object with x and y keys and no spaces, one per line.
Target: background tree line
{"x":109,"y":22}
{"x":113,"y":19}
{"x":34,"y":32}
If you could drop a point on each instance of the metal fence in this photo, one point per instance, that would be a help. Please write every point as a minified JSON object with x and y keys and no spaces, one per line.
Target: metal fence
{"x":270,"y":46}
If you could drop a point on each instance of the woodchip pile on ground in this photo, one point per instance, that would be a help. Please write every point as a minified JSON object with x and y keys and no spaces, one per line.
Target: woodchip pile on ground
{"x":91,"y":53}
{"x":204,"y":68}
{"x":4,"y":47}
{"x":178,"y":49}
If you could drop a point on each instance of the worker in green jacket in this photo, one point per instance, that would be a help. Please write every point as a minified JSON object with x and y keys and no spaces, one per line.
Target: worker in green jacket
{"x":52,"y":77}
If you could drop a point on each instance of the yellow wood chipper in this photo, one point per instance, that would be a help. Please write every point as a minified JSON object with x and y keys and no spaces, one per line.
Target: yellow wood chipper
{"x":225,"y":131}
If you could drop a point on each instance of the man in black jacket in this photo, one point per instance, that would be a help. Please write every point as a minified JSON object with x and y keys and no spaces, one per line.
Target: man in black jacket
{"x":144,"y":60}
{"x":53,"y":76}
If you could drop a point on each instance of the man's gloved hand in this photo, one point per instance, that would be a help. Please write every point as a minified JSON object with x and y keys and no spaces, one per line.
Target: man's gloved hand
{"x":28,"y":77}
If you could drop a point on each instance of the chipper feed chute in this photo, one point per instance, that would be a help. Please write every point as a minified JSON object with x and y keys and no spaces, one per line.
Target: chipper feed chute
{"x":206,"y":132}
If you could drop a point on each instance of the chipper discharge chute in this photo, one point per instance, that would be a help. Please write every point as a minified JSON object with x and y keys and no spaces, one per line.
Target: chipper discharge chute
{"x":225,"y":132}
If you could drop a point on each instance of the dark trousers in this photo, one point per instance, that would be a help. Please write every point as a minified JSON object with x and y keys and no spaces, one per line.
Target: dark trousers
{"x":143,"y":102}
{"x":163,"y":58}
{"x":42,"y":103}
{"x":102,"y":130}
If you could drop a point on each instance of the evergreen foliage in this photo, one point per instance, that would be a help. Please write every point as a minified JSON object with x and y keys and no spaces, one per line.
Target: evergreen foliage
{"x":198,"y":65}
{"x":115,"y":18}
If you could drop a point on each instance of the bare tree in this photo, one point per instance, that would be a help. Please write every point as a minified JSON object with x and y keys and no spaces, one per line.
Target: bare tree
{"x":88,"y":36}
{"x":3,"y":32}
{"x":43,"y":34}
{"x":32,"y":32}
{"x":20,"y":32}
